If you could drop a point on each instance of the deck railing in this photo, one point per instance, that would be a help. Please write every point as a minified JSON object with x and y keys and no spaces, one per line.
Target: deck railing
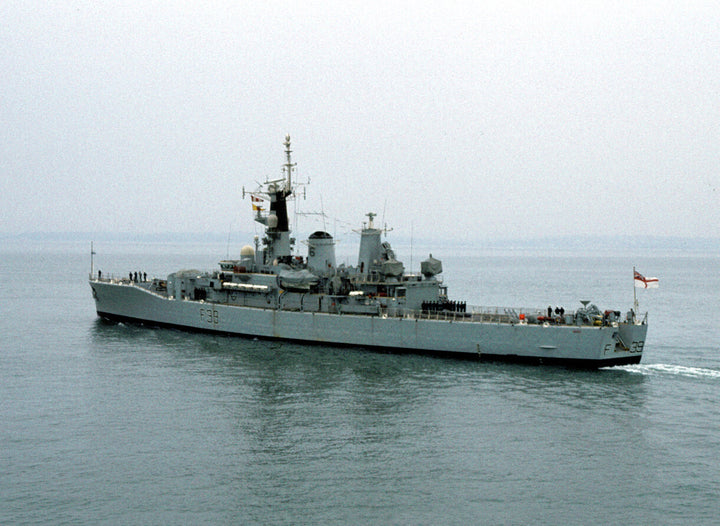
{"x":483,"y":314}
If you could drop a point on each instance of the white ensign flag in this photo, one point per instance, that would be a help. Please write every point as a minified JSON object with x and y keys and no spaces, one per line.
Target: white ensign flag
{"x":641,"y":282}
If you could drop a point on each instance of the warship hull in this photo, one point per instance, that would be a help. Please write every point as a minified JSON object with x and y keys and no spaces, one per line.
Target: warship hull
{"x":448,"y":335}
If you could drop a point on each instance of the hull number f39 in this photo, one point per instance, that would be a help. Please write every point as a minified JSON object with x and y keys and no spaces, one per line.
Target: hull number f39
{"x":210,"y":316}
{"x":637,"y":347}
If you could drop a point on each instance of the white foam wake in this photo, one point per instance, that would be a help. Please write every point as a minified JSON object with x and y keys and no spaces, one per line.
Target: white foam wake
{"x":680,"y":370}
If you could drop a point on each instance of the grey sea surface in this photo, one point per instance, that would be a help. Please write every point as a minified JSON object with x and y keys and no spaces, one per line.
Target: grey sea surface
{"x":126,"y":424}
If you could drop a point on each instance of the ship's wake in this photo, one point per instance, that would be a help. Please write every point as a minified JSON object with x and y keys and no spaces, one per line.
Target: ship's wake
{"x":670,"y":369}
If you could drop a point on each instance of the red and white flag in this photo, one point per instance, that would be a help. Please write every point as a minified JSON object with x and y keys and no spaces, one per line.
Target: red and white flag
{"x":256,"y":202}
{"x":641,"y":282}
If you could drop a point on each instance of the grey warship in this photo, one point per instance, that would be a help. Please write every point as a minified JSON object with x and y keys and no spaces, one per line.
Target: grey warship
{"x":272,"y":292}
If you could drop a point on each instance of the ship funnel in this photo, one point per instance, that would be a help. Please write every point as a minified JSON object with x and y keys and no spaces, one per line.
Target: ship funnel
{"x":370,"y":247}
{"x":321,"y":254}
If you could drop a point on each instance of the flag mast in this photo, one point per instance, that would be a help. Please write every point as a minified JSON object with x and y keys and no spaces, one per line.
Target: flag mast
{"x":635,"y":301}
{"x":92,"y":262}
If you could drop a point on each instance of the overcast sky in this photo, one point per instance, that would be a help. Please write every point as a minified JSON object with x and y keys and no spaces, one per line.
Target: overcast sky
{"x":469,"y":120}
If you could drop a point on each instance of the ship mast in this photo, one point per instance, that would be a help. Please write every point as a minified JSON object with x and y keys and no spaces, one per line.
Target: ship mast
{"x":278,"y":243}
{"x":289,"y":165}
{"x":92,"y":260}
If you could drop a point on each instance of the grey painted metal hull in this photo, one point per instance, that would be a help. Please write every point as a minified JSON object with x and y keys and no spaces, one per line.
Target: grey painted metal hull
{"x":568,"y":344}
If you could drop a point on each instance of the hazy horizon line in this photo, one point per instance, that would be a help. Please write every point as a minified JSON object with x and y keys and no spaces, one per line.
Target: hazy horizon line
{"x":560,"y":241}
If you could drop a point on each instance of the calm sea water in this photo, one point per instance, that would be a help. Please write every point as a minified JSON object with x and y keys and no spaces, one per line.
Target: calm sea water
{"x":123,"y":424}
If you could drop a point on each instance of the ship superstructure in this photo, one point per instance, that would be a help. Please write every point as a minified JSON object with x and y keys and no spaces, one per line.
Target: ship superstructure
{"x":272,"y":292}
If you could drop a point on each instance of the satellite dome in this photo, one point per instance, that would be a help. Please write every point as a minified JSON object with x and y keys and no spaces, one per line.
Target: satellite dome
{"x":247,"y":251}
